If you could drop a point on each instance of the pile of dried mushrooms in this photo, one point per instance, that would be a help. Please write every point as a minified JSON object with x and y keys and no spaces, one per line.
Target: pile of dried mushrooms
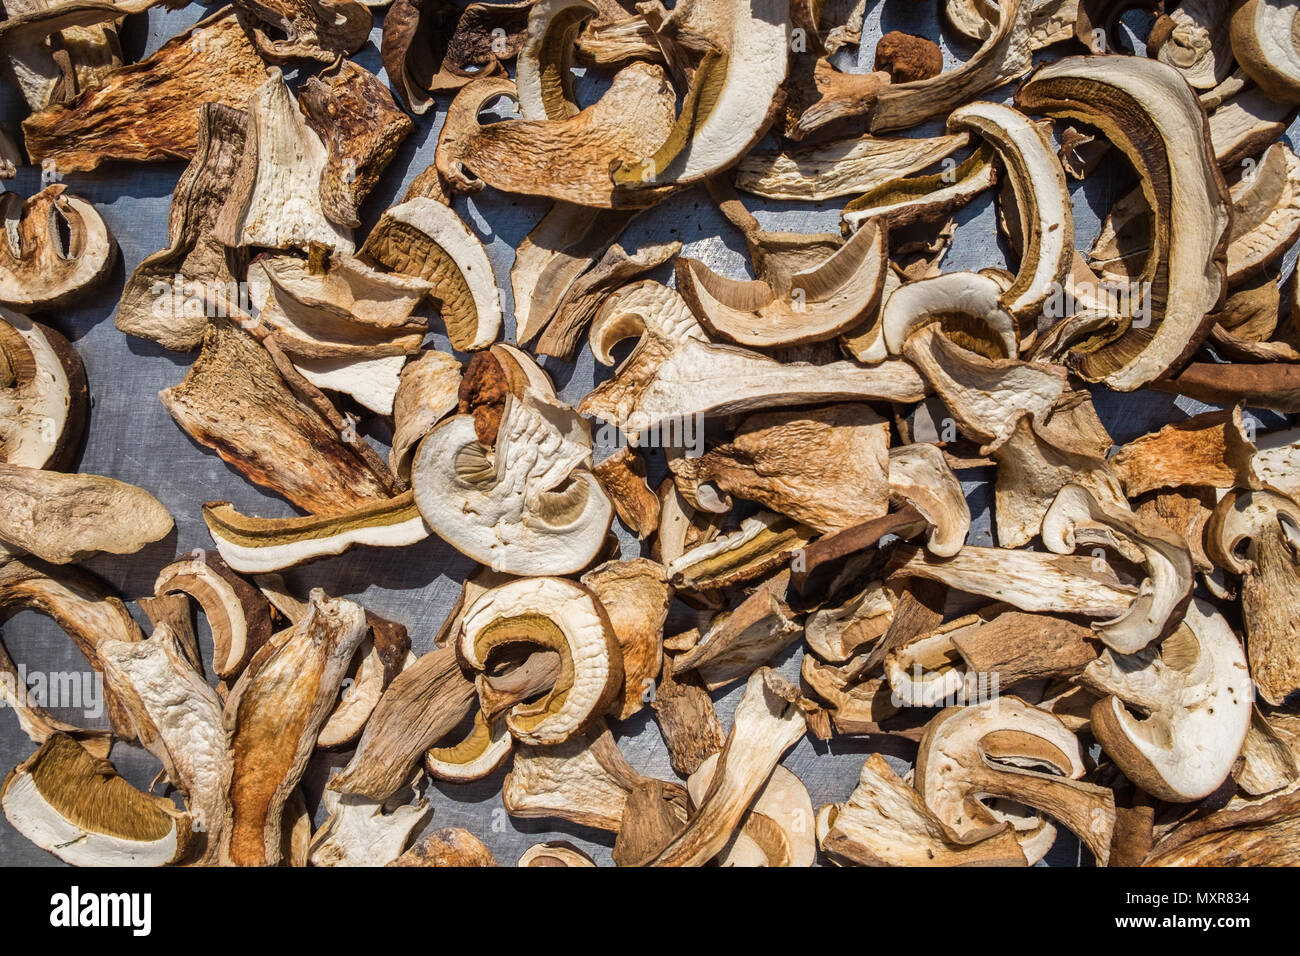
{"x":1124,"y":662}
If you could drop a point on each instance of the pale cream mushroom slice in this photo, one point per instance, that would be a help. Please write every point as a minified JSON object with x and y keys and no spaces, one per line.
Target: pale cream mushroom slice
{"x":635,"y":595}
{"x":1211,"y":450}
{"x":638,"y":308}
{"x":426,"y":393}
{"x":273,"y":715}
{"x":919,"y":476}
{"x":908,"y":200}
{"x":54,"y":248}
{"x":1193,"y":39}
{"x":556,"y":615}
{"x":1256,"y":534}
{"x":835,"y":634}
{"x":886,"y":823}
{"x":1149,"y":112}
{"x":1005,"y":748}
{"x":1077,"y":520}
{"x":1175,"y":715}
{"x":1246,"y":124}
{"x":1268,"y":763}
{"x":1265,"y":213}
{"x":479,"y":753}
{"x":274,"y":199}
{"x":178,"y":719}
{"x":43,"y":395}
{"x":1276,"y":461}
{"x":384,"y":653}
{"x":544,"y":70}
{"x":424,"y":239}
{"x":78,"y":808}
{"x":66,"y":518}
{"x":1051,"y":21}
{"x":1264,"y":41}
{"x":361,"y":832}
{"x":779,"y":824}
{"x":555,"y":853}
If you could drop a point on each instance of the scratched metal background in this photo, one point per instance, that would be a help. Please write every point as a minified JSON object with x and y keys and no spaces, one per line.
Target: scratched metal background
{"x":132,"y":438}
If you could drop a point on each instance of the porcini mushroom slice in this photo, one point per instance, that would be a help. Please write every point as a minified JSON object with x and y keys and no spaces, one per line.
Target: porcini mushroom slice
{"x":173,"y":311}
{"x":1246,"y":124}
{"x":213,"y":62}
{"x":636,"y":309}
{"x":786,"y":835}
{"x":820,"y":303}
{"x":1029,"y":580}
{"x":78,"y":808}
{"x":687,"y":721}
{"x":320,"y":30}
{"x":273,"y":715}
{"x":54,"y":247}
{"x":767,"y":724}
{"x":1177,"y":713}
{"x":920,"y":476}
{"x":1265,"y":213}
{"x":65,"y":518}
{"x":566,"y":159}
{"x":1006,"y":748}
{"x":425,"y":239}
{"x":426,"y":393}
{"x":360,"y":832}
{"x":43,"y":395}
{"x":485,"y":748}
{"x":738,"y":641}
{"x":1265,"y":45}
{"x":1147,"y":110}
{"x":826,"y":467}
{"x":1262,"y":835}
{"x":1256,"y":534}
{"x":623,"y":477}
{"x":1078,"y":520}
{"x":1276,"y":463}
{"x":1209,"y":450}
{"x":178,"y":719}
{"x":761,"y":544}
{"x":450,"y":846}
{"x":1193,"y":39}
{"x":635,"y":595}
{"x":274,"y":199}
{"x":835,"y":634}
{"x":843,"y":168}
{"x":1005,"y":54}
{"x":234,"y":399}
{"x":971,"y":304}
{"x":557,"y":615}
{"x":383,"y":654}
{"x":886,"y":823}
{"x":544,"y":72}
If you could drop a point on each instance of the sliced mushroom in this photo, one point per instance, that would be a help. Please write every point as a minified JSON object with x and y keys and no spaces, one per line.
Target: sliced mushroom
{"x":919,"y":476}
{"x":450,"y":846}
{"x":55,"y":248}
{"x":1246,"y":124}
{"x":384,"y":653}
{"x":1209,"y":450}
{"x":1193,"y":39}
{"x":902,"y":202}
{"x":320,"y":30}
{"x":687,"y":721}
{"x":544,"y":72}
{"x":360,"y":832}
{"x":761,"y":544}
{"x":623,"y":477}
{"x":777,"y":830}
{"x":1265,"y":45}
{"x":836,"y":634}
{"x":1265,"y":213}
{"x":43,"y":395}
{"x":481,"y":752}
{"x":739,"y":641}
{"x":1176,"y":714}
{"x":635,"y":596}
{"x":1260,"y":835}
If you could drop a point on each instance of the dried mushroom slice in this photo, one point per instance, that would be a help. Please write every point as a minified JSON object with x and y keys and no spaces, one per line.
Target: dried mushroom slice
{"x":1265,"y":45}
{"x":778,"y":829}
{"x":425,"y":239}
{"x":211,"y":63}
{"x":178,"y":719}
{"x":544,"y":72}
{"x":886,"y":823}
{"x":482,"y":751}
{"x":450,"y":846}
{"x":761,"y":544}
{"x":274,"y":200}
{"x":687,"y":721}
{"x":902,"y":202}
{"x":171,"y":293}
{"x":1265,"y":214}
{"x":836,"y":634}
{"x":43,"y":395}
{"x":1246,"y":124}
{"x":360,"y":832}
{"x":54,"y":248}
{"x":426,"y":394}
{"x":66,"y":518}
{"x":273,"y":715}
{"x":1211,"y":450}
{"x":1007,"y":749}
{"x":385,"y":653}
{"x":920,"y":477}
{"x":556,"y":615}
{"x":320,"y":30}
{"x":1150,"y":113}
{"x":1176,"y":715}
{"x":740,"y":640}
{"x":635,"y":596}
{"x":623,"y":477}
{"x":1193,"y":39}
{"x":1256,"y":534}
{"x":1262,"y":835}
{"x":78,"y":808}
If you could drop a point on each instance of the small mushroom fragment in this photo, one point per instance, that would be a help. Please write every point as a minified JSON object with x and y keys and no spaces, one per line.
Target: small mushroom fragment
{"x":427,"y":392}
{"x":1265,"y":213}
{"x":1255,"y":534}
{"x":320,"y":30}
{"x":920,"y":477}
{"x":43,"y":395}
{"x":827,"y":468}
{"x":623,"y":477}
{"x":835,"y":634}
{"x":360,"y":832}
{"x":213,"y":62}
{"x":1265,"y":45}
{"x":173,"y":311}
{"x":425,"y":239}
{"x":902,"y":202}
{"x":761,"y":544}
{"x":361,"y":127}
{"x":66,"y":518}
{"x":843,"y":168}
{"x":55,"y":247}
{"x":178,"y":719}
{"x":1005,"y":748}
{"x":767,"y":724}
{"x":235,"y":400}
{"x":635,"y":596}
{"x":1193,"y":39}
{"x":273,"y":716}
{"x":1276,"y":462}
{"x":886,"y":823}
{"x":1246,"y":124}
{"x":687,"y":721}
{"x":450,"y":846}
{"x":548,"y":614}
{"x":383,"y":654}
{"x":485,"y":749}
{"x":1210,"y":450}
{"x":821,"y":101}
{"x":1177,"y":713}
{"x":275,"y":198}
{"x":740,"y":640}
{"x":777,"y":830}
{"x":76,"y":806}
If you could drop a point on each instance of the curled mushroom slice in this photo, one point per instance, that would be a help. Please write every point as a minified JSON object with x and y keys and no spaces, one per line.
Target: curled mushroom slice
{"x":565,"y":159}
{"x":361,"y":832}
{"x":274,"y":713}
{"x":178,"y":719}
{"x":55,"y":246}
{"x":78,"y":808}
{"x":1193,"y":39}
{"x":1209,"y":450}
{"x":761,"y":544}
{"x":835,"y":634}
{"x":886,"y":823}
{"x":639,"y":308}
{"x":384,"y":653}
{"x":919,"y":475}
{"x":556,"y":615}
{"x":820,"y":303}
{"x":777,"y":830}
{"x":425,"y":239}
{"x":43,"y":395}
{"x":544,"y":72}
{"x":1051,"y":21}
{"x":450,"y":846}
{"x":965,"y":305}
{"x":635,"y":595}
{"x":1265,"y":45}
{"x":623,"y":477}
{"x":484,"y":749}
{"x":65,"y":518}
{"x":1004,"y":748}
{"x":844,"y":168}
{"x":901,"y":202}
{"x":1256,"y":534}
{"x":1147,"y":110}
{"x":1077,"y":520}
{"x":555,"y":853}
{"x":1265,"y":213}
{"x":1176,"y":715}
{"x":320,"y":30}
{"x":426,"y":393}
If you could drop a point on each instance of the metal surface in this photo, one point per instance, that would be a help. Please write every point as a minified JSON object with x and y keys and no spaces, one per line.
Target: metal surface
{"x":132,"y":438}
